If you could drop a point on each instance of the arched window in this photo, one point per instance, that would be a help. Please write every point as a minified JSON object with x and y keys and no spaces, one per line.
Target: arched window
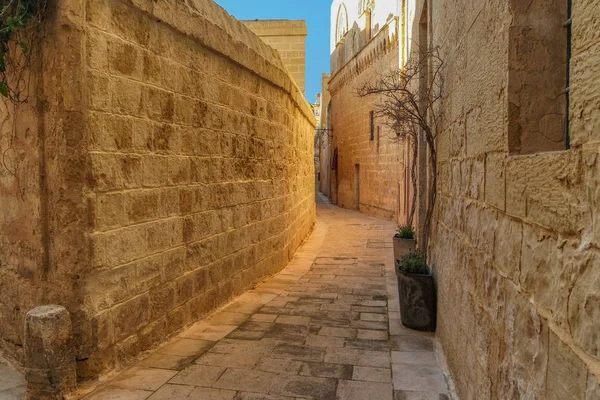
{"x":342,"y":23}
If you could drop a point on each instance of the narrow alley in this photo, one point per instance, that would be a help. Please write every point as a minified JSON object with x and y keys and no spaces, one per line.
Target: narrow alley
{"x":271,"y":200}
{"x":325,"y":327}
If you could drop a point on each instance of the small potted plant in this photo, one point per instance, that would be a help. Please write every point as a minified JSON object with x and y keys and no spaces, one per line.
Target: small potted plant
{"x":404,"y":241}
{"x":416,"y":292}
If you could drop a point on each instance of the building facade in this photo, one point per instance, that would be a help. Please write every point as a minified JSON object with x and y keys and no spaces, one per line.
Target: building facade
{"x":288,"y":37}
{"x":368,"y":164}
{"x":516,"y":238}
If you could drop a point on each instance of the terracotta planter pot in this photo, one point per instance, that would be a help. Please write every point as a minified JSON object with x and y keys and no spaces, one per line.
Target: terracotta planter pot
{"x":417,"y":301}
{"x":402,"y":247}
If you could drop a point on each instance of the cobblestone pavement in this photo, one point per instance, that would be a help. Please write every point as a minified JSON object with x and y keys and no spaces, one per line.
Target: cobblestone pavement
{"x":326,"y":327}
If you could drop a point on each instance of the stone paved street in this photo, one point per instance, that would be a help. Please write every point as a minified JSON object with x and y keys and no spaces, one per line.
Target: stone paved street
{"x":326,"y":327}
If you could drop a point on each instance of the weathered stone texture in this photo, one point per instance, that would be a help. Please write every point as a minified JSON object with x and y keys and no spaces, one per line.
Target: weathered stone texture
{"x":515,"y":244}
{"x":49,"y":353}
{"x":289,"y":39}
{"x":41,"y":183}
{"x":176,"y":171}
{"x":537,"y":77}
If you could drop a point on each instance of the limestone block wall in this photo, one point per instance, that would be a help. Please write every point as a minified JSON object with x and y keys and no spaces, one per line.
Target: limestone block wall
{"x":516,"y":239}
{"x":21,"y":235}
{"x":288,"y":37}
{"x":324,"y":150}
{"x":176,"y":169}
{"x":372,"y":169}
{"x":325,"y":99}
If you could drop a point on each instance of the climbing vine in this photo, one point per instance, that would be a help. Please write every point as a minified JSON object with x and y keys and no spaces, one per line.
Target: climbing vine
{"x":20,"y":30}
{"x":20,"y":21}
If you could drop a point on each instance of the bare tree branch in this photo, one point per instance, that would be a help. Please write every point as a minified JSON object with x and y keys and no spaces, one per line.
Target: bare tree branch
{"x":408,"y":101}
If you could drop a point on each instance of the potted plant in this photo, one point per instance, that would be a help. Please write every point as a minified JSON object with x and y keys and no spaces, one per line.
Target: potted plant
{"x":416,"y":292}
{"x":404,"y":241}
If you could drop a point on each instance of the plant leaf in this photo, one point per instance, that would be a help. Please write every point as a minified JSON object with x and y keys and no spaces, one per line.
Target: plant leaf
{"x":3,"y":89}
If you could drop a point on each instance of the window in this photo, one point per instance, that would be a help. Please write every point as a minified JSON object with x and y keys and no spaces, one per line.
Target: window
{"x":538,"y":76}
{"x":334,"y":159}
{"x":372,"y":118}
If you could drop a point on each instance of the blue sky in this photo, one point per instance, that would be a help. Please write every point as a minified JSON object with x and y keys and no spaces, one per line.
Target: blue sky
{"x":316,"y":14}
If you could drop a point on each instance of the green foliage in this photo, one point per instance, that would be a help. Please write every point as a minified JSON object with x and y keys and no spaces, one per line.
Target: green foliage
{"x":405,"y":232}
{"x":16,"y":16}
{"x":413,"y":263}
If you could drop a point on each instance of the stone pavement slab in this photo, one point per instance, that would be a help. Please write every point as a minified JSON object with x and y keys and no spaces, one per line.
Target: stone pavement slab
{"x":372,"y":335}
{"x":411,"y":377}
{"x":298,"y":353}
{"x":324,"y":370}
{"x":326,"y":327}
{"x":174,"y":392}
{"x":164,"y":361}
{"x":210,"y":333}
{"x":324,"y":341}
{"x":263,"y":317}
{"x":371,"y":374}
{"x":198,"y":375}
{"x":143,"y":378}
{"x":251,"y":380}
{"x":12,"y":382}
{"x":411,"y":343}
{"x":186,"y":347}
{"x":270,"y":364}
{"x":355,"y":390}
{"x":304,"y":386}
{"x":407,"y":395}
{"x":358,"y":357}
{"x":119,"y":393}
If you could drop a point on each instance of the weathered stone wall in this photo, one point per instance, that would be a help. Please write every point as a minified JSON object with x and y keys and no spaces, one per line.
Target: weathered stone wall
{"x":380,"y":161}
{"x":176,"y":168}
{"x":289,"y":39}
{"x":325,"y":99}
{"x":516,"y":239}
{"x":324,"y":148}
{"x":202,"y":167}
{"x":21,"y":241}
{"x":43,"y":209}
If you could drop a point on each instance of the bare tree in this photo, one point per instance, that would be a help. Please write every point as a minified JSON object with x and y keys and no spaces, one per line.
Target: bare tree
{"x":408,"y":101}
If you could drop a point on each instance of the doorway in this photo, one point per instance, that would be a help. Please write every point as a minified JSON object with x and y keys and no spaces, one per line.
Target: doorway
{"x":357,"y":186}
